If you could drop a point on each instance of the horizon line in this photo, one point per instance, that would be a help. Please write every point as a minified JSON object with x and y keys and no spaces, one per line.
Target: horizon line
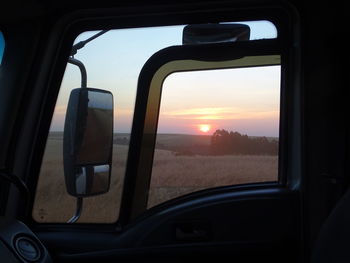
{"x":189,"y":134}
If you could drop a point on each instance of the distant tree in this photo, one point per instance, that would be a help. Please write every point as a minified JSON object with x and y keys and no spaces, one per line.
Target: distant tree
{"x":219,"y":142}
{"x":224,"y":142}
{"x":122,"y":141}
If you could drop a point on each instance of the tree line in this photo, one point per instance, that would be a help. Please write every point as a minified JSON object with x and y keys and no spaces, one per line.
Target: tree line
{"x":224,"y":142}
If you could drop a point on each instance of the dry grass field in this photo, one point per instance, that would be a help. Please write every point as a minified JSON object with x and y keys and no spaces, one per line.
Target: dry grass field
{"x":173,"y":175}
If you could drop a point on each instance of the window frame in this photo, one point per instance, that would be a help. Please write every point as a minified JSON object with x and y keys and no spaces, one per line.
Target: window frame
{"x":70,"y":27}
{"x":245,"y":62}
{"x":147,"y":107}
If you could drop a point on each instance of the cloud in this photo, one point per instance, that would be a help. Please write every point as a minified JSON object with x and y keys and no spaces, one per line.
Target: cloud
{"x":123,"y":112}
{"x":219,"y":113}
{"x":60,"y":109}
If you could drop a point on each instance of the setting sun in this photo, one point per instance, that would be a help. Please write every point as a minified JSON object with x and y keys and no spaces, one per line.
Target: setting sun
{"x":204,"y":128}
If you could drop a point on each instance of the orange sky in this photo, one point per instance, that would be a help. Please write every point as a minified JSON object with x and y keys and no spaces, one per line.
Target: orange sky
{"x":244,"y":100}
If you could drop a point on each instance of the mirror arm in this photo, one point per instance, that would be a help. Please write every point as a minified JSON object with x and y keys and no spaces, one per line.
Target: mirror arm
{"x":81,"y":44}
{"x":81,"y":66}
{"x":78,"y":211}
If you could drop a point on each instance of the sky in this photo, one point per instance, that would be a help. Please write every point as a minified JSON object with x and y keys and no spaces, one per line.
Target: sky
{"x":243,"y":100}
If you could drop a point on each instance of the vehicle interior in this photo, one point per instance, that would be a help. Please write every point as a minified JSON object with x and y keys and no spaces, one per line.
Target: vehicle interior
{"x":174,"y":131}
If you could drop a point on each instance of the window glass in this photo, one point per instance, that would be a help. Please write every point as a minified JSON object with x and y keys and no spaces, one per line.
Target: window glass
{"x":113,"y":62}
{"x":261,"y":30}
{"x":2,"y":46}
{"x":216,"y":128}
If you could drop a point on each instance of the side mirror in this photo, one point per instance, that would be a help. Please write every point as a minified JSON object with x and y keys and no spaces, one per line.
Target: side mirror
{"x":214,"y":33}
{"x":88,"y":142}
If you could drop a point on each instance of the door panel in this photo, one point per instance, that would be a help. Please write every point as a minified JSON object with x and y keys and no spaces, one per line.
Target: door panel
{"x":257,"y":224}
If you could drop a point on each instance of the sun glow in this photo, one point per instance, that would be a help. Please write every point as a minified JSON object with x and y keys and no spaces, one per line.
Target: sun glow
{"x":204,"y":127}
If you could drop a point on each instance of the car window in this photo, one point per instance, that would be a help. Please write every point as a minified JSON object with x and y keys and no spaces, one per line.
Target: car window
{"x":113,"y":62}
{"x":216,"y":128}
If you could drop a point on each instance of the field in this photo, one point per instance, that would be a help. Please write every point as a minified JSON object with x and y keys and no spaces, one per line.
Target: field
{"x":175,"y":172}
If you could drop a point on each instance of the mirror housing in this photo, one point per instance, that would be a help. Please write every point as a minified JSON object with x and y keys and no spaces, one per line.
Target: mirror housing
{"x":214,"y":33}
{"x":88,"y":142}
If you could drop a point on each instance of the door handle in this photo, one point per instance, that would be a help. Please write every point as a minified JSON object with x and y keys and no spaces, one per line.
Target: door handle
{"x":192,"y":232}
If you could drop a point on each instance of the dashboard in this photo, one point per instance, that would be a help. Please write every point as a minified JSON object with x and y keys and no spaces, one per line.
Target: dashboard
{"x":19,"y":244}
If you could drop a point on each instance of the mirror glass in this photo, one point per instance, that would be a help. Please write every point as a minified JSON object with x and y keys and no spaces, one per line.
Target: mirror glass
{"x":92,"y":179}
{"x":96,"y":136}
{"x":88,"y":142}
